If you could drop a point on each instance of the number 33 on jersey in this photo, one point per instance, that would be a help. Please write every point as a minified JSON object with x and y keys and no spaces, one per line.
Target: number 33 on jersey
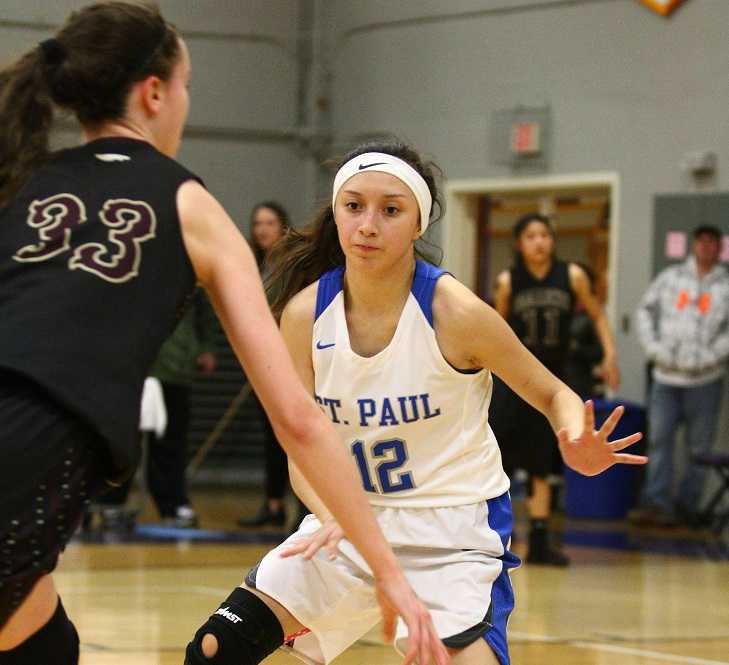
{"x":129,"y":224}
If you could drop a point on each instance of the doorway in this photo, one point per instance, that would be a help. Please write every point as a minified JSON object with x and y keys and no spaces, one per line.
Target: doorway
{"x":480,"y":214}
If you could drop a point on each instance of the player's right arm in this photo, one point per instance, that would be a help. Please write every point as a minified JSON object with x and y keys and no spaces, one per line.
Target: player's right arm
{"x":502,"y":294}
{"x":225,"y":266}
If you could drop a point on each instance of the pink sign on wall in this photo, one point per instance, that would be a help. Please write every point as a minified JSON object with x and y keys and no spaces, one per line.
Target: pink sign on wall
{"x":676,"y":243}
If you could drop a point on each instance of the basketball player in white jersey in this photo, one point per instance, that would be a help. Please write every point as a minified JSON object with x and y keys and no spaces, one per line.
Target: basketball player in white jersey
{"x":399,"y":355}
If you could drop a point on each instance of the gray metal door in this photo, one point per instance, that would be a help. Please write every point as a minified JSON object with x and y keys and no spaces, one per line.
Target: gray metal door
{"x":682,"y":213}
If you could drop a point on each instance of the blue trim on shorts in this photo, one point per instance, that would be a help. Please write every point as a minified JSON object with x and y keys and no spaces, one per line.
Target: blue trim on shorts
{"x":330,"y":284}
{"x":502,"y":594}
{"x":426,"y":276}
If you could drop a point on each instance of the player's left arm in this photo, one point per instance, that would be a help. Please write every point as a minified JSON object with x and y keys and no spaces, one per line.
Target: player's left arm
{"x":580,"y":284}
{"x":471,"y":334}
{"x":297,"y":321}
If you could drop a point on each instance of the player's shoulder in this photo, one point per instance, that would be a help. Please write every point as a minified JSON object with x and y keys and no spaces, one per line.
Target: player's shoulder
{"x":300,"y":310}
{"x":462,"y":321}
{"x":576,"y":273}
{"x":454,"y":302}
{"x":173,"y":171}
{"x":503,"y":279}
{"x":575,"y":269}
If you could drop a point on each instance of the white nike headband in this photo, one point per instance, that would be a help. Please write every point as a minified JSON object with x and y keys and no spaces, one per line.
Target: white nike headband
{"x":379,"y":161}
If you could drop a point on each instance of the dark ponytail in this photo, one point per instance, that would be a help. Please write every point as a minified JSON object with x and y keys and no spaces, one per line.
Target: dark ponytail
{"x":303,"y":255}
{"x":88,"y":68}
{"x":26,"y":115}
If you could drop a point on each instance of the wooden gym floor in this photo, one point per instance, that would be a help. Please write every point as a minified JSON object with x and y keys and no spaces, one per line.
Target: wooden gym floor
{"x":138,"y":603}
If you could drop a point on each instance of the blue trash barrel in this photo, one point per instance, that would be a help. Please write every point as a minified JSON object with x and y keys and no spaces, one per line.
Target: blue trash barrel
{"x":611,"y":494}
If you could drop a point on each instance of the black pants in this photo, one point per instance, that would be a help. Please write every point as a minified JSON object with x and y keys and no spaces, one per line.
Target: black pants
{"x":524,"y":435}
{"x":166,"y":457}
{"x":276,"y":462}
{"x":52,"y":465}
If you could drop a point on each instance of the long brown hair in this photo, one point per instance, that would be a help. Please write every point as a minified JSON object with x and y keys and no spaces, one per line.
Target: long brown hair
{"x":303,"y":255}
{"x":88,"y":68}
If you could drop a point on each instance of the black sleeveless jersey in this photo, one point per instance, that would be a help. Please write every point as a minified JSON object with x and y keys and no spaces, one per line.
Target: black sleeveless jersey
{"x":541,"y":313}
{"x":93,"y":277}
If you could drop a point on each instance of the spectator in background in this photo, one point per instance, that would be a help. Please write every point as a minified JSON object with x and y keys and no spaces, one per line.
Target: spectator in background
{"x":683,"y":326}
{"x":269,"y":222}
{"x":189,"y":351}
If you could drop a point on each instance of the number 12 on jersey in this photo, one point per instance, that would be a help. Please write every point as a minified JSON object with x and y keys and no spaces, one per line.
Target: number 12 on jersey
{"x":393,"y":453}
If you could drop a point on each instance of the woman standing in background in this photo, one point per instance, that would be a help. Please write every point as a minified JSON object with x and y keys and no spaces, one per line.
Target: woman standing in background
{"x":269,"y":223}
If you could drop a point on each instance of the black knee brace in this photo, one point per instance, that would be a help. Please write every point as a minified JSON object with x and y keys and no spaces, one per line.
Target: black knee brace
{"x":246,"y":629}
{"x":58,"y":637}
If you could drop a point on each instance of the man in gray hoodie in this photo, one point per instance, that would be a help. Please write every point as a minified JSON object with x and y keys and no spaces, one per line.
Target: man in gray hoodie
{"x":683,"y":325}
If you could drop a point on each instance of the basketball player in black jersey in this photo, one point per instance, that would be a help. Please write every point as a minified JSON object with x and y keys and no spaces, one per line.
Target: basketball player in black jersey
{"x":100,"y":246}
{"x":537,"y":297}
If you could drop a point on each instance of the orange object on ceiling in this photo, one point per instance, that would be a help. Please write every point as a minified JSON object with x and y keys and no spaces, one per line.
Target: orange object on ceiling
{"x":663,"y":7}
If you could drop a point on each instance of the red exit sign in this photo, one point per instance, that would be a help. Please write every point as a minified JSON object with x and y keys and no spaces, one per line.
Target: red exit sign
{"x":525,"y":138}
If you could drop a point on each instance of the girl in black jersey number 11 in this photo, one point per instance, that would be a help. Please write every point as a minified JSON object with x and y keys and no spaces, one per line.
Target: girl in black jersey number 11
{"x":537,"y":297}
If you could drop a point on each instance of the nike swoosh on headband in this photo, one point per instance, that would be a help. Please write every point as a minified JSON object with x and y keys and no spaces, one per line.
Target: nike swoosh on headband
{"x":394,"y":166}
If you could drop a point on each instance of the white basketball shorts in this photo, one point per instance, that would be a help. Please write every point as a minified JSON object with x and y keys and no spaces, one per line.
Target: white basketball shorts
{"x":456,"y":559}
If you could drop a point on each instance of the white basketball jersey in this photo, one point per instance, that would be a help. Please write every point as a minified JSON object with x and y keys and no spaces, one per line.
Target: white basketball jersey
{"x":416,"y":427}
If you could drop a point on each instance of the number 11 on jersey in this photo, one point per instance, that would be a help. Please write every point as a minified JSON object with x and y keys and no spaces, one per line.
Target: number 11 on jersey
{"x":395,"y":454}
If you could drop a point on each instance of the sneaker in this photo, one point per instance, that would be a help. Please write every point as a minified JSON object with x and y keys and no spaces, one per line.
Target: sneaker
{"x":264,"y":517}
{"x":541,"y":551}
{"x":185,"y":517}
{"x":118,"y":518}
{"x":548,"y":556}
{"x":693,"y":518}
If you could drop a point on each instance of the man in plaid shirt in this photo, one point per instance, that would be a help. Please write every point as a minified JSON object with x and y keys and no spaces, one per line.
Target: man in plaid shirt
{"x":683,"y":326}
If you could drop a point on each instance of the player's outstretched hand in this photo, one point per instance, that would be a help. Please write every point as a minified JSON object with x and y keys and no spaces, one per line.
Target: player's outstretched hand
{"x":327,"y":535}
{"x":592,"y":453}
{"x":396,"y":598}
